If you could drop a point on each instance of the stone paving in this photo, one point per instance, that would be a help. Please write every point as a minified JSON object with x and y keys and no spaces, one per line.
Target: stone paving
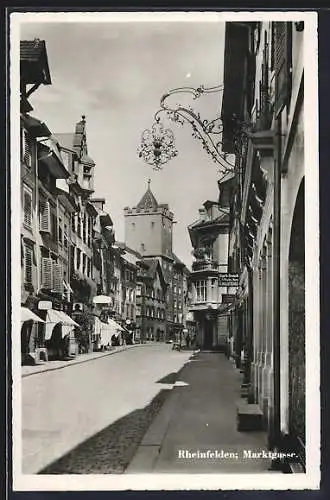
{"x":90,"y":417}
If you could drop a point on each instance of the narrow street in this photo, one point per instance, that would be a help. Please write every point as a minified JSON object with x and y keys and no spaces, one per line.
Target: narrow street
{"x":109,"y":397}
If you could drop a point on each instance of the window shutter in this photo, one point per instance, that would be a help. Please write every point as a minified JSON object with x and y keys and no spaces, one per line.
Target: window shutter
{"x":282,"y":64}
{"x":44,"y":216}
{"x":28,"y":256}
{"x":27,"y":149}
{"x":57,"y":277}
{"x":46,"y":273}
{"x":27,"y":207}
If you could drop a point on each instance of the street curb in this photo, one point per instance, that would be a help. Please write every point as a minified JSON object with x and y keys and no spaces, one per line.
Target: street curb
{"x":149,"y":448}
{"x":78,"y":362}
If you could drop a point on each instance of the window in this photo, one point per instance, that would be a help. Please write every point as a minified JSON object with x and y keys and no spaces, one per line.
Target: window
{"x":152,"y":225}
{"x":44,"y":216}
{"x":60,"y":231}
{"x":27,"y":206}
{"x":78,"y":258}
{"x":79,"y":226}
{"x":28,"y":259}
{"x":201,"y":291}
{"x":65,"y":236}
{"x":84,"y":233}
{"x":214,"y":289}
{"x":138,"y":290}
{"x":86,"y":184}
{"x":84,"y":270}
{"x":138,"y":310}
{"x":53,"y":220}
{"x":57,"y":271}
{"x":27,"y":148}
{"x":174,"y":289}
{"x":133,"y":226}
{"x":174,"y":304}
{"x":73,"y":223}
{"x":47,"y":273}
{"x":179,"y":291}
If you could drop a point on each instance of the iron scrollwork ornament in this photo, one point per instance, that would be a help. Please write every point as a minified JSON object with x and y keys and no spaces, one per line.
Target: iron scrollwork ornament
{"x":157,"y":145}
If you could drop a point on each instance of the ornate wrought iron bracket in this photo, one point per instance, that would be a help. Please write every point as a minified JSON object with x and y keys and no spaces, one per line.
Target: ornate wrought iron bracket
{"x":157,"y":144}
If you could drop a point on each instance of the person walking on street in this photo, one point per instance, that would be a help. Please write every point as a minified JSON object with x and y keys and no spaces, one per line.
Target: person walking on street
{"x":188,"y":341}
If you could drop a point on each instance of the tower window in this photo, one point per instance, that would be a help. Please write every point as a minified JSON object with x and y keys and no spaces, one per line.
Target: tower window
{"x":152,"y":225}
{"x":133,"y":226}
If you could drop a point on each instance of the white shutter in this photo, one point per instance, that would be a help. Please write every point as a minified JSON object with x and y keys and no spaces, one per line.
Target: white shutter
{"x":46,"y":273}
{"x":44,"y":216}
{"x":27,"y":207}
{"x":57,"y":277}
{"x":28,"y":264}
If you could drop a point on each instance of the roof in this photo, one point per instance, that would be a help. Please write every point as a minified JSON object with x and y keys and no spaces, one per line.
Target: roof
{"x":34,"y":62}
{"x":223,"y":218}
{"x":148,"y":200}
{"x":36,"y":127}
{"x":87,"y":159}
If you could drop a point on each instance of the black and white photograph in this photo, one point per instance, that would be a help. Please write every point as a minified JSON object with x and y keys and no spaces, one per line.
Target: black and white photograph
{"x":164,"y":250}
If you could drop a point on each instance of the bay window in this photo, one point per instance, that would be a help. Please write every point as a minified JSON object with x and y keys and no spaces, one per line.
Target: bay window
{"x":201,"y":291}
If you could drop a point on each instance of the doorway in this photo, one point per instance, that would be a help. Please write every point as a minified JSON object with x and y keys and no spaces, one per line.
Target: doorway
{"x":208,"y":334}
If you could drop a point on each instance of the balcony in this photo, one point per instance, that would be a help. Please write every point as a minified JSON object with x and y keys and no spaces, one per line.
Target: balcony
{"x":205,"y":265}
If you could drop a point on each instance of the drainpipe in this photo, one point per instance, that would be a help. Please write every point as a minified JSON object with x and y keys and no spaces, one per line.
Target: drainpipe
{"x":276,"y":431}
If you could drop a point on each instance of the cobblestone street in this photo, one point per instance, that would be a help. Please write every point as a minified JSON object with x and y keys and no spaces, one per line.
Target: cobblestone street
{"x":92,"y":416}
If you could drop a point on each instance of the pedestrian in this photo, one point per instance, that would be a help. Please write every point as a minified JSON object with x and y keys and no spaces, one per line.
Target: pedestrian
{"x":188,"y":341}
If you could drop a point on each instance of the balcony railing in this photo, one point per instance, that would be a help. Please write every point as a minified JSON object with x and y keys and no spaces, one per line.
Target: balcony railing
{"x":204,"y":265}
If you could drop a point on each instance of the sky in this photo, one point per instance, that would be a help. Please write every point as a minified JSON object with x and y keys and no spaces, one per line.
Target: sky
{"x":115,"y":75}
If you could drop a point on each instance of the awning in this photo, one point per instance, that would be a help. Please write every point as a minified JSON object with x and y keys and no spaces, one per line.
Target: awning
{"x":66,"y":320}
{"x":102,"y":299}
{"x":53,"y":318}
{"x":28,"y":315}
{"x":115,"y":325}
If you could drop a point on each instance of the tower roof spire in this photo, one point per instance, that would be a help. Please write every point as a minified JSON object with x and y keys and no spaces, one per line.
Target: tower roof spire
{"x":148,"y":200}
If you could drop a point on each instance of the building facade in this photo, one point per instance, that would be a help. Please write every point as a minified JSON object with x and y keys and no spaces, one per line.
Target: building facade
{"x":262,"y":115}
{"x":209,"y":238}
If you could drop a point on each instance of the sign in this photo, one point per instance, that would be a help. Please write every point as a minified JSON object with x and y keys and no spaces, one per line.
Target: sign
{"x":227,"y":298}
{"x":227,"y":279}
{"x":44,"y":305}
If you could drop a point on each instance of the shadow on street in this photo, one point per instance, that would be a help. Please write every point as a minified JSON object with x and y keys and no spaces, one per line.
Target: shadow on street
{"x":110,"y":450}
